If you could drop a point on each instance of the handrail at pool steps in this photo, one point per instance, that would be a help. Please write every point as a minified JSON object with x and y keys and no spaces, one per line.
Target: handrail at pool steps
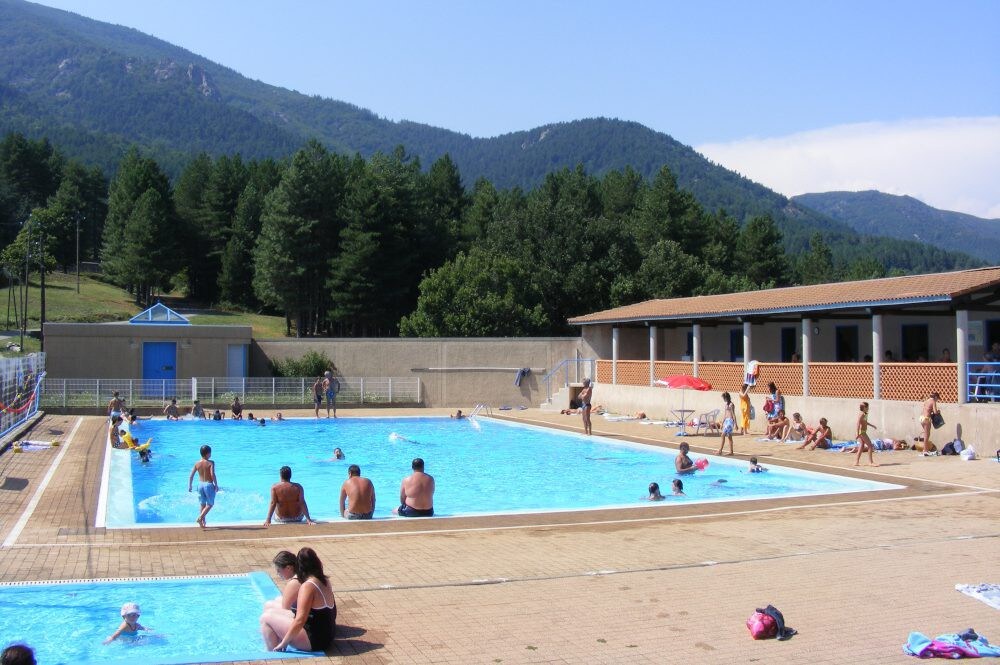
{"x":481,"y":408}
{"x":564,"y":367}
{"x":983,"y":381}
{"x":219,"y":392}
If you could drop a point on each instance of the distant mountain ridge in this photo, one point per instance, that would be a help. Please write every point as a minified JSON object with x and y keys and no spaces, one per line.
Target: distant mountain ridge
{"x":904,"y":217}
{"x":94,"y":89}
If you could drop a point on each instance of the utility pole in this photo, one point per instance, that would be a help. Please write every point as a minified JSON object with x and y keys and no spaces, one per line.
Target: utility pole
{"x":78,"y":252}
{"x":27,"y":285}
{"x":41,"y":320}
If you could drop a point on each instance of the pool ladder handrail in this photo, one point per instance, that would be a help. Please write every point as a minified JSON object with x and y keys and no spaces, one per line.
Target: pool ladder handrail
{"x":481,"y":408}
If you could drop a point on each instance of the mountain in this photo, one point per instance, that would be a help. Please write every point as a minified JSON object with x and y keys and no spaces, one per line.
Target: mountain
{"x":906,"y":218}
{"x":94,"y":88}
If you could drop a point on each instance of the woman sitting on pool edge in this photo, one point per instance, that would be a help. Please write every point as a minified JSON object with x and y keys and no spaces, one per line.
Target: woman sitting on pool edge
{"x":313,"y":621}
{"x":287,"y":567}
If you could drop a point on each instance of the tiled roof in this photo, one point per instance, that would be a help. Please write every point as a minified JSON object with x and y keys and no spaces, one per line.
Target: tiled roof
{"x":886,"y":292}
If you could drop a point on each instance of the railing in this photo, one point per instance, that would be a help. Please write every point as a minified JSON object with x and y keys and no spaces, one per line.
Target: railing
{"x":564,"y":367}
{"x":898,"y":381}
{"x":252,"y":391}
{"x":20,"y":383}
{"x":984,"y":382}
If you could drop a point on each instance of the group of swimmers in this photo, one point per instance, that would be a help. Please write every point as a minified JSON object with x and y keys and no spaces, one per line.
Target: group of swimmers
{"x":684,"y":465}
{"x":288,"y":501}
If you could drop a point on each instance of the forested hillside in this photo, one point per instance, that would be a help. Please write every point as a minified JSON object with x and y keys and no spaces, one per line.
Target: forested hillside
{"x":904,"y":217}
{"x":96,"y":89}
{"x":374,"y":247}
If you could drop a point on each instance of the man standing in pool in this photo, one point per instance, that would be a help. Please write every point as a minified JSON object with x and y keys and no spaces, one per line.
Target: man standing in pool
{"x":209,"y":485}
{"x":586,"y":398}
{"x":416,"y":493}
{"x":357,"y":496}
{"x":288,"y":500}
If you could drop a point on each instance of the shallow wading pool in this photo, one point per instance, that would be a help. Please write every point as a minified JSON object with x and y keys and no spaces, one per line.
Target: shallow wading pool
{"x":191,"y":619}
{"x":481,"y":466}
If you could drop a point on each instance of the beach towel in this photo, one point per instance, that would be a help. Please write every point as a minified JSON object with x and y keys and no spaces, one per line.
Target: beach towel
{"x":521,"y":373}
{"x":951,"y":645}
{"x":988,"y":593}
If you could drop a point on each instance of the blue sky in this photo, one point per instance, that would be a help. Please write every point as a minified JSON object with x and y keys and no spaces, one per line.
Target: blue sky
{"x":800,"y":95}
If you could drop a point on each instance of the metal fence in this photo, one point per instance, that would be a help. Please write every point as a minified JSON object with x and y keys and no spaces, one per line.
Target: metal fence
{"x":20,"y":379}
{"x":253,"y":391}
{"x":984,"y":382}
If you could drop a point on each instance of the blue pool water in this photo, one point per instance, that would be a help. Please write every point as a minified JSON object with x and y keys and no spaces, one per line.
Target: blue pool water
{"x":206,"y":619}
{"x":480,"y":466}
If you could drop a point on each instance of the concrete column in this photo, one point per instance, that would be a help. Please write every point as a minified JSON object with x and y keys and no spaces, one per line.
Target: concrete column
{"x":695,"y":347}
{"x":614,"y":355}
{"x":806,"y":354}
{"x":652,"y":354}
{"x":962,"y":354}
{"x":747,"y":343}
{"x":876,"y":356}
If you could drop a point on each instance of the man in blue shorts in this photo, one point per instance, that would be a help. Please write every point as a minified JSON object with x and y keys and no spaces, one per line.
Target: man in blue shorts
{"x":332,"y":386}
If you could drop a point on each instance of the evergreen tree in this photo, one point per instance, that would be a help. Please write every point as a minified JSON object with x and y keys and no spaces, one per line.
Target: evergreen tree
{"x":816,"y":265}
{"x":764,"y":260}
{"x":236,"y":278}
{"x":300,"y":227}
{"x":125,"y":235}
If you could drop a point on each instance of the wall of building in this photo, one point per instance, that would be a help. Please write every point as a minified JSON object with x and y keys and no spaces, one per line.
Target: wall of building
{"x":671,"y":343}
{"x":114,"y":350}
{"x":454,"y":372}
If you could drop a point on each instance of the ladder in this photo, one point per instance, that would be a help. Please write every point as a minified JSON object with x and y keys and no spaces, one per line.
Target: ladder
{"x":481,"y":408}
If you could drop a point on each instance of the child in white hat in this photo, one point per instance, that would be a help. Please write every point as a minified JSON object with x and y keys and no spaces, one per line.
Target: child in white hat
{"x":130,"y":622}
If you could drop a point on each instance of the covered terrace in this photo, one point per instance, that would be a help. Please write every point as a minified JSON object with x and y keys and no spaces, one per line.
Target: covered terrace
{"x":894,"y":338}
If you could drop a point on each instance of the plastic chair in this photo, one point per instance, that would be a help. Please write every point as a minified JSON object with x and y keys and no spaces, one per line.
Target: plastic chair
{"x":709,"y":421}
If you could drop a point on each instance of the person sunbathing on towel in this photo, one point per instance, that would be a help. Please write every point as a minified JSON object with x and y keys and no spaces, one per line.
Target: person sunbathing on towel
{"x":776,"y":428}
{"x":796,"y":430}
{"x":821,"y":437}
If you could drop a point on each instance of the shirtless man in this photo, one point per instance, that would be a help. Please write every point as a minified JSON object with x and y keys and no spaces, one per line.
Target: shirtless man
{"x":209,"y":485}
{"x":116,"y":405}
{"x":821,"y":437}
{"x":416,"y":493}
{"x":114,"y":435}
{"x":683,"y":463}
{"x":318,"y":392}
{"x":171,"y":411}
{"x":357,"y":496}
{"x":331,"y":386}
{"x":586,"y":398}
{"x":288,"y":501}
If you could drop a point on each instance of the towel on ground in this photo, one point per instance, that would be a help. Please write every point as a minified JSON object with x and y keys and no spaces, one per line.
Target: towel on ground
{"x":988,"y":593}
{"x":784,"y":632}
{"x":950,"y":645}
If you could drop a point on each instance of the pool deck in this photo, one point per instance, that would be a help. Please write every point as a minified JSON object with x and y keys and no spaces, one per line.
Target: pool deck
{"x":853,"y":573}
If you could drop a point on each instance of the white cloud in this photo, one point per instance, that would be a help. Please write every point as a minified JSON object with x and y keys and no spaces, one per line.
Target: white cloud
{"x":948,"y":163}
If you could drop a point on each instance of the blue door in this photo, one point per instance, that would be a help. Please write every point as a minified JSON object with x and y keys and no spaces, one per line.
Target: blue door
{"x":159,"y":361}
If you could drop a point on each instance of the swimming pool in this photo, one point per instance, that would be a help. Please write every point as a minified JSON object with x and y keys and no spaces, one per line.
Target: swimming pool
{"x":481,"y":466}
{"x":192,"y":619}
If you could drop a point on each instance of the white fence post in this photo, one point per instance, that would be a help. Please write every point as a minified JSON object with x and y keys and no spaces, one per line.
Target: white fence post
{"x":274,"y":398}
{"x":390,"y":390}
{"x":97,"y":397}
{"x":362,"y":390}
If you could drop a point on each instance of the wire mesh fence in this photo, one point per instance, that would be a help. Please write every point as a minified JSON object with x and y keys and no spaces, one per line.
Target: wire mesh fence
{"x":19,"y":389}
{"x":252,"y":391}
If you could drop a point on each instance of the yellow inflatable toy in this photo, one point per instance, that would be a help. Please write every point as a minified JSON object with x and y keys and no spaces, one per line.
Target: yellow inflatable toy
{"x":131,"y":443}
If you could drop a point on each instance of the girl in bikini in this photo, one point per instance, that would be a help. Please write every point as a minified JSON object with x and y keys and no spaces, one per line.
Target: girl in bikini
{"x":863,"y":441}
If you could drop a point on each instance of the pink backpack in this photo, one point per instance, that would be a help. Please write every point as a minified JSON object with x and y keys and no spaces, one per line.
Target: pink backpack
{"x":761,"y":626}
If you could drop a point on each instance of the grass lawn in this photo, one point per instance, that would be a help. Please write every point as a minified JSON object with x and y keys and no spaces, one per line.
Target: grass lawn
{"x":99,"y":302}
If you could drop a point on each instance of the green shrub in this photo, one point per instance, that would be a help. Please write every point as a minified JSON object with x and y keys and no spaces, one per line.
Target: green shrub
{"x":313,"y":363}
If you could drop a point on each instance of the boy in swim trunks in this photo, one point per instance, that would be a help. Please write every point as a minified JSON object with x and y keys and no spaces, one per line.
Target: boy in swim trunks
{"x":209,"y":485}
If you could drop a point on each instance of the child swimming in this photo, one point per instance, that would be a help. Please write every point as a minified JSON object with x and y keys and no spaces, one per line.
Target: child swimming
{"x":754,"y":467}
{"x":130,"y":623}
